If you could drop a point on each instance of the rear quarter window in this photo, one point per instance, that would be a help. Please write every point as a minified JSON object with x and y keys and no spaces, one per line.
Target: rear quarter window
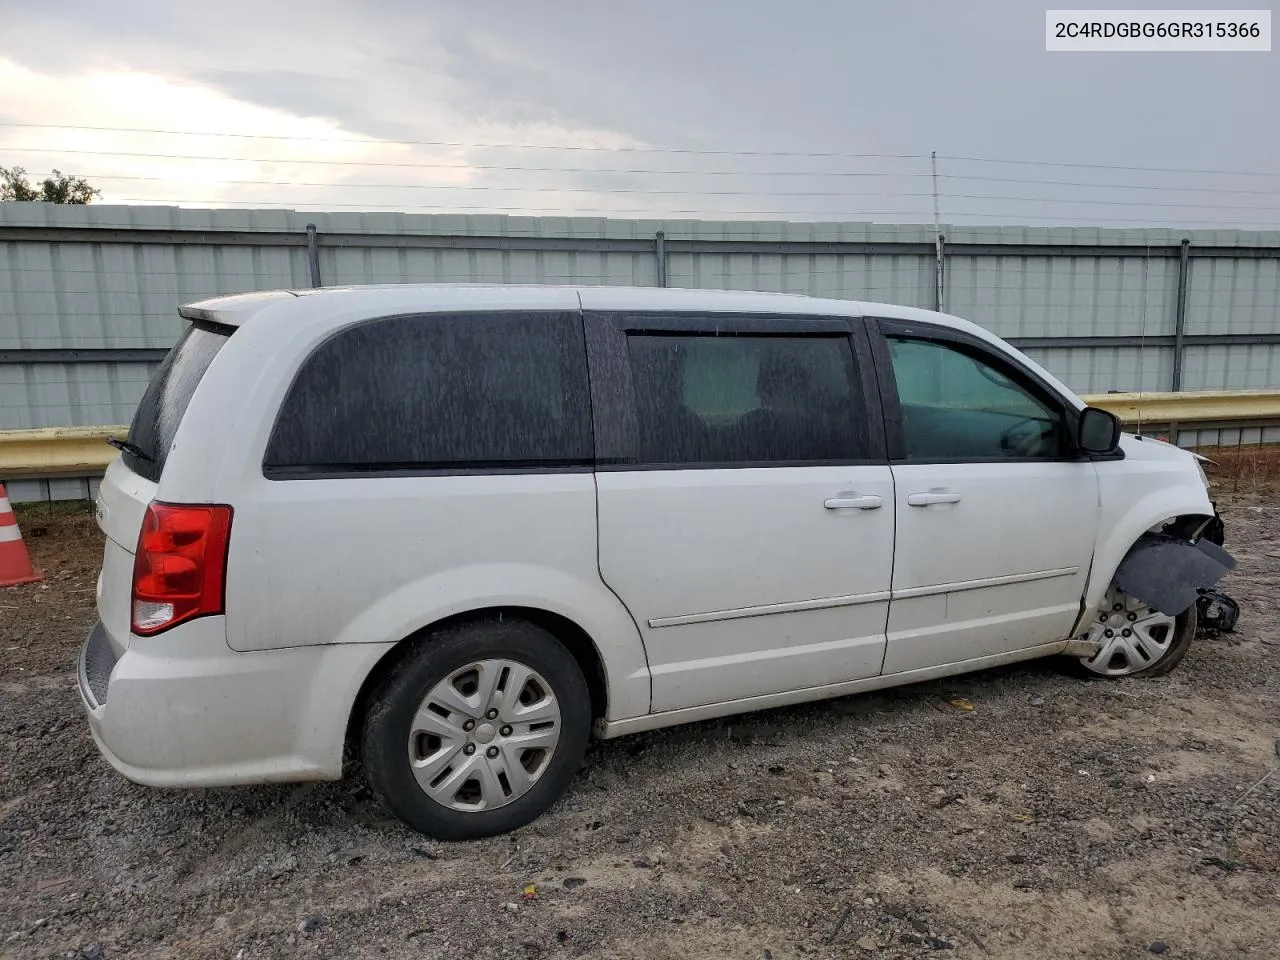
{"x":165,"y":401}
{"x":438,"y":392}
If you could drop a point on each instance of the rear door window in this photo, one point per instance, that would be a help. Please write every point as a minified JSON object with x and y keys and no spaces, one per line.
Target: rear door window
{"x":746,"y":400}
{"x":156,"y":420}
{"x":438,"y":392}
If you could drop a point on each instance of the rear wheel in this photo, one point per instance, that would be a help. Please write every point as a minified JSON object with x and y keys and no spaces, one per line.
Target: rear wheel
{"x":1137,"y":641}
{"x":479,"y":731}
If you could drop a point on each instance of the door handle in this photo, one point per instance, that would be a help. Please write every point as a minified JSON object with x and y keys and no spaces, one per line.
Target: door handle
{"x":854,"y":501}
{"x":932,"y":497}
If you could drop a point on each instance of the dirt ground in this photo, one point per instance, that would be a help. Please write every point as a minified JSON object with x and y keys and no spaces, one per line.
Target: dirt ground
{"x":1056,"y":818}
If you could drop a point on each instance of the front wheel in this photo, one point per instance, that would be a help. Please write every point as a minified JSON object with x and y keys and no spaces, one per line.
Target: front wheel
{"x":479,"y":730}
{"x":1137,"y":641}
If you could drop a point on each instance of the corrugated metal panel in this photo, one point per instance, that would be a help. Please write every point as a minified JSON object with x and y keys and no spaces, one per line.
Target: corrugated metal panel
{"x":1231,"y":368}
{"x":59,"y":488}
{"x":87,"y":295}
{"x":352,"y":266}
{"x":906,"y":279}
{"x":1233,"y":296}
{"x":1229,"y":437}
{"x":1102,"y":369}
{"x":36,"y":395}
{"x":1064,"y":296}
{"x":124,"y":295}
{"x":155,"y":217}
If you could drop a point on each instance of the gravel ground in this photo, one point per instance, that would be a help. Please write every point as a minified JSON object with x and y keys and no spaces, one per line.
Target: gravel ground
{"x":1055,"y":818}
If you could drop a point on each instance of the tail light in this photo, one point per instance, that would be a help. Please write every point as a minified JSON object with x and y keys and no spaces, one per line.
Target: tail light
{"x":180,"y":567}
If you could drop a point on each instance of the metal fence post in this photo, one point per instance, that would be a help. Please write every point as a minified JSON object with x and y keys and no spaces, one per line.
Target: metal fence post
{"x":1180,"y":316}
{"x":313,"y":254}
{"x":940,"y":252}
{"x":660,"y":252}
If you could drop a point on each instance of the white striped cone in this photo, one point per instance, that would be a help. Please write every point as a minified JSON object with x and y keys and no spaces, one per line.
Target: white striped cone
{"x":15,"y":564}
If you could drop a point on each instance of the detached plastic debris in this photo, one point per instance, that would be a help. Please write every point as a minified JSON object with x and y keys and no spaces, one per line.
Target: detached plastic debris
{"x":1217,"y":612}
{"x":1169,"y":573}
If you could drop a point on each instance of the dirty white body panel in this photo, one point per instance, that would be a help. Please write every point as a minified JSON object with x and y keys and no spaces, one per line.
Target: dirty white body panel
{"x":1001,"y":568}
{"x":1153,"y":483}
{"x":185,"y":711}
{"x":743,"y":583}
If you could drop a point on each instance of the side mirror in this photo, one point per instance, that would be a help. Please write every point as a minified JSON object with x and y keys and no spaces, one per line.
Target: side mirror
{"x":1098,"y":431}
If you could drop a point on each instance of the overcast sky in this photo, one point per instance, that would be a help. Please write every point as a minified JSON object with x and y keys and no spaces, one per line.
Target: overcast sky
{"x":354,"y":81}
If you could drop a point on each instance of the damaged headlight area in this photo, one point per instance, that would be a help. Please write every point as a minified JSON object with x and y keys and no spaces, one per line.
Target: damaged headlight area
{"x":1217,"y":612}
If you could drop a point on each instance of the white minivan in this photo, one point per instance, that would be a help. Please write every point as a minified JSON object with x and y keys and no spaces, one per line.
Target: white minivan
{"x":460,"y":529}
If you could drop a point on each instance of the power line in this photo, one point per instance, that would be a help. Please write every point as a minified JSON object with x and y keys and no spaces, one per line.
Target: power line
{"x":1105,"y":186}
{"x":602,"y":191}
{"x":634,"y":171}
{"x":1108,"y":203}
{"x":376,"y":141}
{"x":1107,"y":166}
{"x":762,"y":193}
{"x":486,"y":208}
{"x":683,"y":151}
{"x":491,"y":189}
{"x":462,"y":166}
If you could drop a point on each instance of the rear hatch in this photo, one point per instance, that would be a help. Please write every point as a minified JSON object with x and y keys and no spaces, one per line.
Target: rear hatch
{"x":132,"y":479}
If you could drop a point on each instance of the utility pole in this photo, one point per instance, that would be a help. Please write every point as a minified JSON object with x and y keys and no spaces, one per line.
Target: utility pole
{"x":937,"y":236}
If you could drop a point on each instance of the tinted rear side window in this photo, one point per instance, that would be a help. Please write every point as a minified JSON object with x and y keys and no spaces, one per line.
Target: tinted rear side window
{"x":438,"y":392}
{"x":746,"y":400}
{"x":166,"y":398}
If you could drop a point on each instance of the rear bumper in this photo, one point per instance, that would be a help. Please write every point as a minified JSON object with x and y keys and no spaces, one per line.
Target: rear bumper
{"x":97,"y":660}
{"x":184,"y":710}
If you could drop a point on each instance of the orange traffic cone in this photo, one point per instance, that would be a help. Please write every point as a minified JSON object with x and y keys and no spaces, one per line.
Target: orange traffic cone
{"x":15,"y":564}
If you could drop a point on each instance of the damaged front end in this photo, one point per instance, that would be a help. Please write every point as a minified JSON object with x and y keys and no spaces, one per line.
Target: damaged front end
{"x":1180,"y":566}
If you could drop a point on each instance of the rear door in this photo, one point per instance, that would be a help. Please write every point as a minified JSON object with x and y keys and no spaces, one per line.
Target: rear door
{"x":745,"y":506}
{"x":997,"y":514}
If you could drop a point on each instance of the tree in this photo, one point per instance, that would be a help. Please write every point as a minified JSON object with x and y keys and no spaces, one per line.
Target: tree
{"x":59,"y":188}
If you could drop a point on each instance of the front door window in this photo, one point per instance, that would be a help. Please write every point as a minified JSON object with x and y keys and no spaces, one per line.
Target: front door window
{"x":958,"y":406}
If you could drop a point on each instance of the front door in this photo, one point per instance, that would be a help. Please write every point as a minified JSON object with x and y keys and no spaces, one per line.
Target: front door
{"x":749,"y":527}
{"x":996,"y":514}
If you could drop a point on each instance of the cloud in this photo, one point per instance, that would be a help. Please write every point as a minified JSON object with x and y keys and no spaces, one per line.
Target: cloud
{"x":811,"y":76}
{"x":149,"y":167}
{"x":302,"y":160}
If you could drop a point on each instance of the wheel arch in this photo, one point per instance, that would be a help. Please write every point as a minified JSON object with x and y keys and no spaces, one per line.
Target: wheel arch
{"x":1120,"y":531}
{"x":1166,"y":520}
{"x":575,"y":639}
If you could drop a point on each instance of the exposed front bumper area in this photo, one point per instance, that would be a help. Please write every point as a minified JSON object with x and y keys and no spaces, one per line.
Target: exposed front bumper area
{"x":184,"y":710}
{"x":1215,"y":530}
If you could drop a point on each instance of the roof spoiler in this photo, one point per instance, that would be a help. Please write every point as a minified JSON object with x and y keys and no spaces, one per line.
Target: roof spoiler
{"x":233,"y":310}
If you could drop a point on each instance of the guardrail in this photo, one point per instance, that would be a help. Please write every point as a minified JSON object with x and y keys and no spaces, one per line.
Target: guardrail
{"x":82,"y":452}
{"x":57,"y":451}
{"x":1204,"y":409}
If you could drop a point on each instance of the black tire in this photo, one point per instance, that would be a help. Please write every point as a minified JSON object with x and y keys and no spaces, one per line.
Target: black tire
{"x":385,"y":740}
{"x":1184,"y":631}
